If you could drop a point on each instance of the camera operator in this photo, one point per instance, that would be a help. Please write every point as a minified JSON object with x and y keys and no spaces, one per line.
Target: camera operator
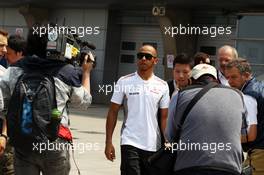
{"x":69,"y":88}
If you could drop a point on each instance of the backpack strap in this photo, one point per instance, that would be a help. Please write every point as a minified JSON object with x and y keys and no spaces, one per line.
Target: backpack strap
{"x":189,"y":107}
{"x":197,"y":97}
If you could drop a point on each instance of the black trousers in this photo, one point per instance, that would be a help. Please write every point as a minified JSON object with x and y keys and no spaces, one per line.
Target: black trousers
{"x":134,"y":161}
{"x":202,"y":172}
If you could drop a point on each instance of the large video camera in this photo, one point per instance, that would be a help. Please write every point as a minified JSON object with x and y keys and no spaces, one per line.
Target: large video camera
{"x":85,"y":49}
{"x":68,"y":47}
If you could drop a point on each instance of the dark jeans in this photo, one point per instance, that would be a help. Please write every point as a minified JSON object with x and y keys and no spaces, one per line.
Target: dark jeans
{"x":53,"y":161}
{"x":134,"y":161}
{"x":202,"y":172}
{"x":7,"y":161}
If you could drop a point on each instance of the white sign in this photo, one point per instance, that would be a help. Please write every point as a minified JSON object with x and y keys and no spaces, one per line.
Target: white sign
{"x":158,"y":11}
{"x":162,"y":11}
{"x":19,"y":31}
{"x":68,"y":51}
{"x":170,"y":59}
{"x":155,"y":11}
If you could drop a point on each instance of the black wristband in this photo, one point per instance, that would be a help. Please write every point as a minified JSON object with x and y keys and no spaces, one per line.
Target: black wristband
{"x":3,"y":135}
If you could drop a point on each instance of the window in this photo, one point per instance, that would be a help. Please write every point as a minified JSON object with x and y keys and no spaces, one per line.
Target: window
{"x":208,"y":49}
{"x":127,"y":58}
{"x":126,"y":45}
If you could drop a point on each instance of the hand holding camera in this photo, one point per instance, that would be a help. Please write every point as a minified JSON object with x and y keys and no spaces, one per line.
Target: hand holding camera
{"x":88,"y":62}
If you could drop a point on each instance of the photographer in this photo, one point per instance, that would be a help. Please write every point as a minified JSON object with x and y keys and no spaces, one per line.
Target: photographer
{"x":68,"y":87}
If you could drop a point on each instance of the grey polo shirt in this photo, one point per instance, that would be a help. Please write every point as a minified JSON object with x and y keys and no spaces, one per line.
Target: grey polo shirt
{"x":211,"y":132}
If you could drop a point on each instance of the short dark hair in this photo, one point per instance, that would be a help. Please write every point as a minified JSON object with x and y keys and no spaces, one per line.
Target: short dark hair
{"x":17,"y":43}
{"x":36,"y":44}
{"x":183,"y":59}
{"x":200,"y":57}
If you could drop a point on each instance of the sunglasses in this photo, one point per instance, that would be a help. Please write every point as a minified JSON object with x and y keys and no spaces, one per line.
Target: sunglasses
{"x":146,"y":55}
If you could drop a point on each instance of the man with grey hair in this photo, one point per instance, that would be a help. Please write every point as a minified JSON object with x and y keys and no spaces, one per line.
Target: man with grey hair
{"x":225,"y":54}
{"x":239,"y":74}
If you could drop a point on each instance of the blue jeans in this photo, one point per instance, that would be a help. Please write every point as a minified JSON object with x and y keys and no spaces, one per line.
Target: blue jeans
{"x":55,"y":162}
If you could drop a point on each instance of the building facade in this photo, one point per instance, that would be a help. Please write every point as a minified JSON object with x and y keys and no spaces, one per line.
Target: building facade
{"x":118,"y":29}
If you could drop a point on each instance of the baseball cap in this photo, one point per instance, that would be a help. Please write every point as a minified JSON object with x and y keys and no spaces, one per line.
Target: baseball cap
{"x":202,"y":69}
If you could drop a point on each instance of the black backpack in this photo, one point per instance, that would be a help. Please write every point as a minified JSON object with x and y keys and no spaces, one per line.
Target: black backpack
{"x":30,"y":110}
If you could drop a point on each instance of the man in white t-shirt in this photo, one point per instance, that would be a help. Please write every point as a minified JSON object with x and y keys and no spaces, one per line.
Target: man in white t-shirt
{"x":142,"y":94}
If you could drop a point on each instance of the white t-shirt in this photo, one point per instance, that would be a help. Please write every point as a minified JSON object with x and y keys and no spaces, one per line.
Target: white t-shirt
{"x":2,"y":71}
{"x":252,"y":110}
{"x":143,"y":98}
{"x":222,"y":79}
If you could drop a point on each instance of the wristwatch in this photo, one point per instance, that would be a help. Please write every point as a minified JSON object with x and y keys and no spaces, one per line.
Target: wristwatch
{"x":3,"y":135}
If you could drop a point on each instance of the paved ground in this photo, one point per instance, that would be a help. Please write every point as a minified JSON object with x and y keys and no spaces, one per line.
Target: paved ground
{"x":88,"y":128}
